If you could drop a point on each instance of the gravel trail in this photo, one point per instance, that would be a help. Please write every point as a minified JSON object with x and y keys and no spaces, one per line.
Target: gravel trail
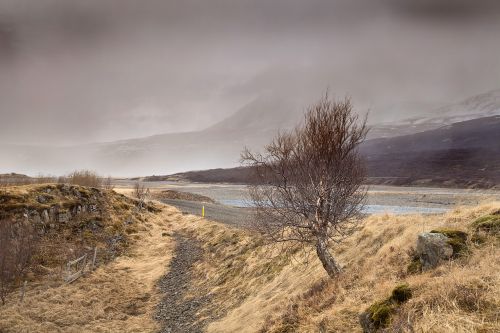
{"x":176,"y":312}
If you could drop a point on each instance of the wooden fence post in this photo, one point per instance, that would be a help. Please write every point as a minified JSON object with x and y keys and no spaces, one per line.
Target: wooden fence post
{"x":84,"y":264}
{"x":23,"y":291}
{"x":94,"y":258}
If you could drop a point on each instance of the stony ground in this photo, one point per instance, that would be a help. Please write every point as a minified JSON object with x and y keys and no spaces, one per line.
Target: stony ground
{"x":179,"y":312}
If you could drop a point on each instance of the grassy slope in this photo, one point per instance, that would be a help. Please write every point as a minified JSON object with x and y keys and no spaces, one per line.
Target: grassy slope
{"x":255,"y":290}
{"x":100,"y":222}
{"x":120,"y":296}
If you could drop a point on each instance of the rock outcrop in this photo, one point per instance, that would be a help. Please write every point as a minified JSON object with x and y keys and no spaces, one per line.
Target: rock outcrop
{"x":437,"y":246}
{"x":432,"y":249}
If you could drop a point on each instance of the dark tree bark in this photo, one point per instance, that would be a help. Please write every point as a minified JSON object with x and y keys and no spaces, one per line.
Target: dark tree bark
{"x":327,"y":260}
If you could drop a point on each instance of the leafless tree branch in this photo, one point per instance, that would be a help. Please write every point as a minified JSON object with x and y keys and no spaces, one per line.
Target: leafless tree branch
{"x":309,"y":179}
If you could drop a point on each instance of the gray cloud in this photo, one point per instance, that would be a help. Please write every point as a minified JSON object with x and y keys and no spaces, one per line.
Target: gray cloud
{"x":86,"y":71}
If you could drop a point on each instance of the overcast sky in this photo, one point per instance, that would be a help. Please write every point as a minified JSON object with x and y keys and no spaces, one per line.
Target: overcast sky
{"x":76,"y":71}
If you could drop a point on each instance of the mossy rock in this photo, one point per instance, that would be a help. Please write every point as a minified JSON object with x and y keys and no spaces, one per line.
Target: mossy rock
{"x":456,"y":238}
{"x":379,"y":314}
{"x":401,"y":293}
{"x":489,"y":224}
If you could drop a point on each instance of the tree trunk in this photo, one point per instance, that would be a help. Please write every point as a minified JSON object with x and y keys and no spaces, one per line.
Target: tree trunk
{"x":329,"y":263}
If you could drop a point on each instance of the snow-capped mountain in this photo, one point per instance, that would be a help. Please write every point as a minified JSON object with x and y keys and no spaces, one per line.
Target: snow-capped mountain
{"x":479,"y":106}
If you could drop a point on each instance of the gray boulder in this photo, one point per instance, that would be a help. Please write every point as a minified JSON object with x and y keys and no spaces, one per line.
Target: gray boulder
{"x":433,"y":248}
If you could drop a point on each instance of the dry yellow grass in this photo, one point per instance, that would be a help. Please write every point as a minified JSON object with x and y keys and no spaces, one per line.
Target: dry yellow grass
{"x":118,"y":297}
{"x":460,"y":296}
{"x":253,"y":290}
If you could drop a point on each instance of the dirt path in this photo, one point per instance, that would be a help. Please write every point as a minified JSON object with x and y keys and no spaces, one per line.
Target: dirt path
{"x":148,"y":289}
{"x":178,"y":311}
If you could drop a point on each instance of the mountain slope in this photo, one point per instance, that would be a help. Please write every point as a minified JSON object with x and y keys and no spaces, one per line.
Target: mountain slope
{"x":476,"y":133}
{"x":479,"y":106}
{"x":217,"y":146}
{"x":465,"y":154}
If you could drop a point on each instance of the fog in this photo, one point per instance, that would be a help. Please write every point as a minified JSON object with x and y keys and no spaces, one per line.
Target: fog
{"x":74,"y":72}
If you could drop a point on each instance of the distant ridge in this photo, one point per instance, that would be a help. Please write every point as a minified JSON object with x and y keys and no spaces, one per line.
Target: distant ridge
{"x":464,"y":154}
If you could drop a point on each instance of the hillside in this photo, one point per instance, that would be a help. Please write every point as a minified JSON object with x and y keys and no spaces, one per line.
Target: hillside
{"x":70,"y":219}
{"x":479,"y":106}
{"x":481,"y":133}
{"x":219,"y":145}
{"x":191,"y":274}
{"x":266,"y":294}
{"x":464,"y":154}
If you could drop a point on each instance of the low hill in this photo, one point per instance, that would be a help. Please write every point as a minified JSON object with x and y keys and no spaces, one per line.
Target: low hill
{"x":7,"y":179}
{"x":180,"y":195}
{"x":68,"y":220}
{"x":238,"y":175}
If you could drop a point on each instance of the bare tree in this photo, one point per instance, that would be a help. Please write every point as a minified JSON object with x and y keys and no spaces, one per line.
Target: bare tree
{"x":141,"y":193}
{"x":82,"y":177}
{"x":107,"y":184}
{"x":17,"y":245}
{"x":312,"y":180}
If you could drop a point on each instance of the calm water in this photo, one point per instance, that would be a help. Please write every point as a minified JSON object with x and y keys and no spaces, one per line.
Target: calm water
{"x":368,"y":209}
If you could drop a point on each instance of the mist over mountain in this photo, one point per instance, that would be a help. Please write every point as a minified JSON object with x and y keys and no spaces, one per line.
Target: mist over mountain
{"x":194,"y":81}
{"x":77,"y":72}
{"x":220,"y":145}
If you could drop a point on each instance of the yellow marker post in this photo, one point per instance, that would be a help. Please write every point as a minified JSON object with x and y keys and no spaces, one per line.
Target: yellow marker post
{"x":202,"y":211}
